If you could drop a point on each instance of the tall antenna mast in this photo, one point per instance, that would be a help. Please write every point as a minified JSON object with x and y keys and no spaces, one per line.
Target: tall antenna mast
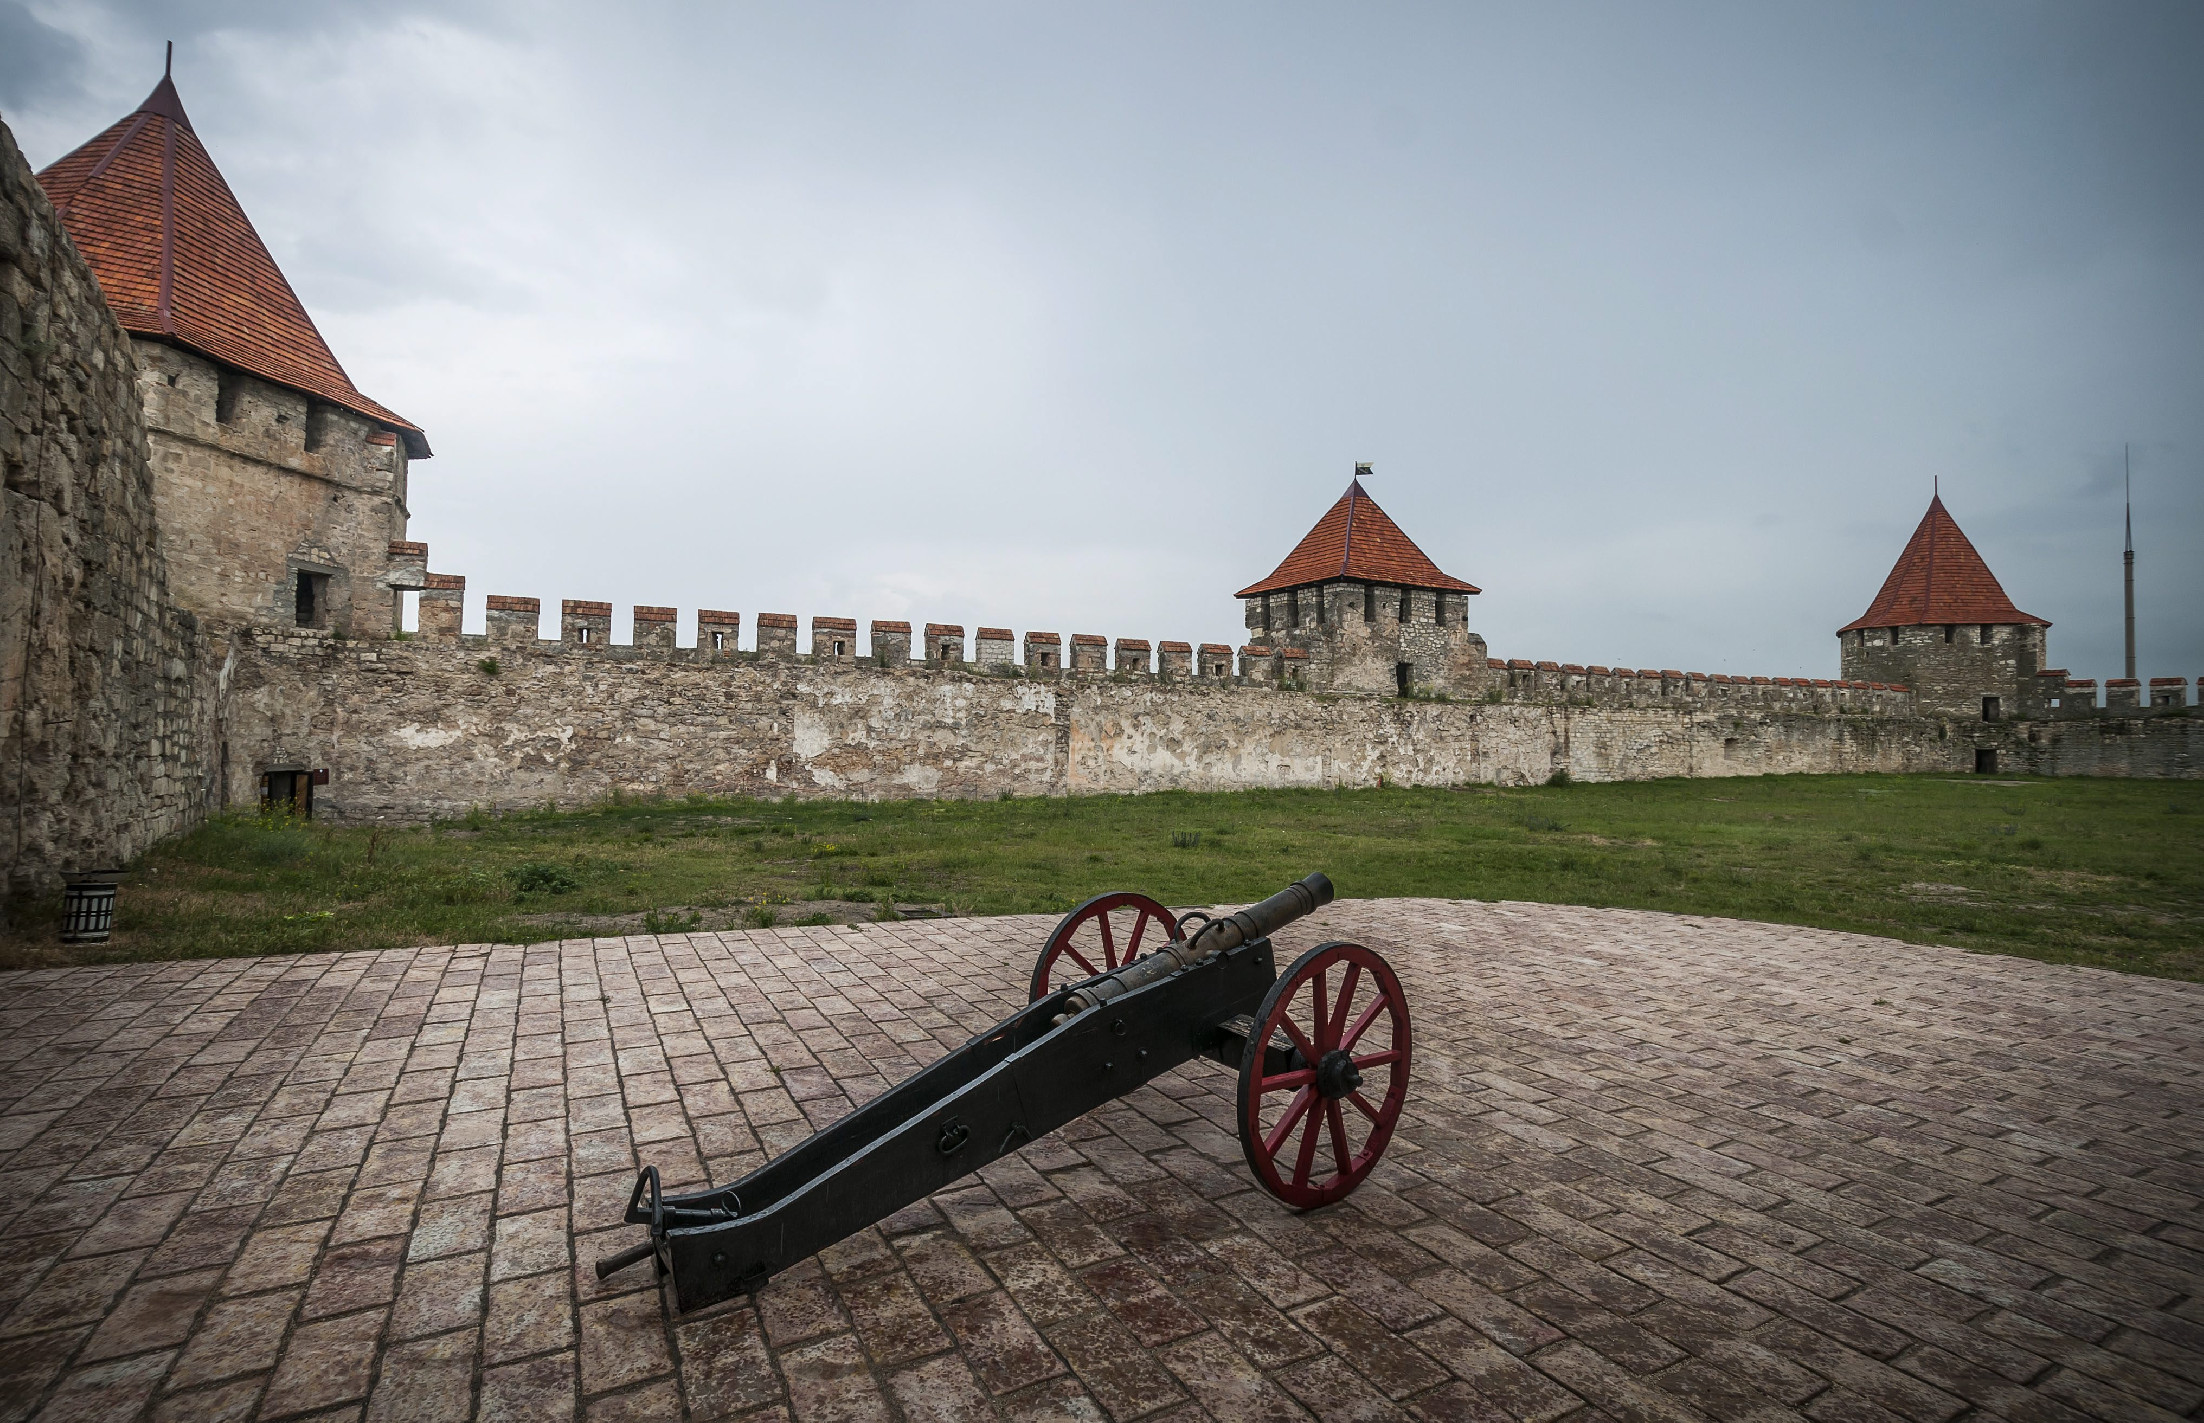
{"x":2127,"y":559}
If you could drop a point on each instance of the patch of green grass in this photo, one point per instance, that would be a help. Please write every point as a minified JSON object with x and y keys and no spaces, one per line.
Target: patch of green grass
{"x":2101,"y":872}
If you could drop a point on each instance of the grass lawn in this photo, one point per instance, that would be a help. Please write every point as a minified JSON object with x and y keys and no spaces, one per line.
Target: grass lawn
{"x":2101,"y":872}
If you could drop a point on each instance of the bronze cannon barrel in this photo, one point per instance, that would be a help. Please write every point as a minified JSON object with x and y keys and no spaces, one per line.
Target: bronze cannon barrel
{"x":1258,"y":921}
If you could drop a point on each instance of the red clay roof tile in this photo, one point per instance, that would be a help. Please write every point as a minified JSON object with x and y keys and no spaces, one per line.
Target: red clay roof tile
{"x":177,"y":258}
{"x":1940,"y":579}
{"x":1356,"y":540}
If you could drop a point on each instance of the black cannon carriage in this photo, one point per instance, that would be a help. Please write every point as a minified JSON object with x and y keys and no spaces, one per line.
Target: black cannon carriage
{"x":1323,"y":1053}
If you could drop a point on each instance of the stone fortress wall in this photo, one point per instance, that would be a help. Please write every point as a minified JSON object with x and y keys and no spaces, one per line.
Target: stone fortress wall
{"x":443,"y":722}
{"x":104,"y":683}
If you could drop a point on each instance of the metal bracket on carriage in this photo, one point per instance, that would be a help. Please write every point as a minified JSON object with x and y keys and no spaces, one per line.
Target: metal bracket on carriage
{"x":1322,"y":1052}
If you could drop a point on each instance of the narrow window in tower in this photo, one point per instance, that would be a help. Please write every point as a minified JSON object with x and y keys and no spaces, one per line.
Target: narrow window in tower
{"x":1949,"y":632}
{"x":1369,"y":603}
{"x":581,"y":634}
{"x":1407,"y":606}
{"x":1293,"y":608}
{"x":1989,"y":708}
{"x":1985,"y":634}
{"x":840,"y":648}
{"x":1403,"y":676}
{"x":229,"y":386}
{"x":719,"y":642}
{"x":311,"y":603}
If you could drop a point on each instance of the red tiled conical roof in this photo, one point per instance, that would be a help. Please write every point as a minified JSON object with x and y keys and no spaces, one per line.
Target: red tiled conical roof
{"x":177,"y":258}
{"x":1357,"y":540}
{"x":1940,"y":579}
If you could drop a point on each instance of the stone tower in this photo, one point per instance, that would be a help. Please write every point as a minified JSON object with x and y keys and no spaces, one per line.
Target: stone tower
{"x":279,"y":489}
{"x":1371,"y":612}
{"x":1943,"y":626}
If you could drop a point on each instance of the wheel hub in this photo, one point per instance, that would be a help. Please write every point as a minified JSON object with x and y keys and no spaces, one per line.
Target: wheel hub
{"x":1336,"y":1075}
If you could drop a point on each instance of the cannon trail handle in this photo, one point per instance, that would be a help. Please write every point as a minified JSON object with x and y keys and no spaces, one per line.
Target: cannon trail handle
{"x":607,"y":1265}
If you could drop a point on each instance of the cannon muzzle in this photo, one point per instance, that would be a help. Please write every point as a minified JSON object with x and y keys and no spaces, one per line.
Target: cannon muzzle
{"x":1259,"y":921}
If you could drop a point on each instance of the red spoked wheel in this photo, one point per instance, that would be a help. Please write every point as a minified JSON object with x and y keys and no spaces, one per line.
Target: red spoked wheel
{"x":1103,"y":934}
{"x":1325,"y":1074}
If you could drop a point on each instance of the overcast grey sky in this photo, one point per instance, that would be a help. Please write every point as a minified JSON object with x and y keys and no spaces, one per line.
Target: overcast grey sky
{"x":1657,"y":321}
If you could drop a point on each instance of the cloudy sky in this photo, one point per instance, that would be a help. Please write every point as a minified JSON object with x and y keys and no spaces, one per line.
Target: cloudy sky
{"x":1657,"y":321}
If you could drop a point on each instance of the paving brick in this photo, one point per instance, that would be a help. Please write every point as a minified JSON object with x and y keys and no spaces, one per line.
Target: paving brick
{"x":1641,"y":1175}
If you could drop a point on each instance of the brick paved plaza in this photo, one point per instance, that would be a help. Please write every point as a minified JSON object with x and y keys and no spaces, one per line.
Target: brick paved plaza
{"x":1651,"y":1168}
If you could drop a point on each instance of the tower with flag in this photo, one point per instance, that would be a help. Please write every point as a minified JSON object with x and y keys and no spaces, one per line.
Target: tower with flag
{"x":1943,"y":626}
{"x":1358,"y":607}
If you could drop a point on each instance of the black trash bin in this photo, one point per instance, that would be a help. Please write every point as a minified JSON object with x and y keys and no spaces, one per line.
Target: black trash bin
{"x":88,"y":906}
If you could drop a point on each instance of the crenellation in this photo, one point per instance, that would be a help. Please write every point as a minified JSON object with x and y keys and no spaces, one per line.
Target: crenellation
{"x":995,"y":648}
{"x":2168,"y":693}
{"x":890,"y":643}
{"x":2123,"y":694}
{"x":1132,"y":657}
{"x":1089,"y":653}
{"x":585,"y":623}
{"x":718,"y":633}
{"x":1216,"y":660}
{"x":834,"y":640}
{"x":443,"y":603}
{"x":776,"y":634}
{"x":1174,"y":659}
{"x":945,"y":644}
{"x":1044,"y":653}
{"x":654,"y":627}
{"x":509,"y":621}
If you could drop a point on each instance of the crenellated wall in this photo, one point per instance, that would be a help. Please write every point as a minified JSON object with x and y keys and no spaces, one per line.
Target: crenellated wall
{"x":414,"y":730}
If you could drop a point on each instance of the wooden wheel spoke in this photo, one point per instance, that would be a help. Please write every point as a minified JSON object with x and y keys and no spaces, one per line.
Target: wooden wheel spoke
{"x":1283,"y":1080}
{"x":1295,"y":1110}
{"x":1307,"y":1157}
{"x":1337,"y":1122}
{"x":1362,"y":1024}
{"x":1109,"y":941}
{"x":1362,"y":1106}
{"x":1308,"y":1050}
{"x":1323,"y":1016}
{"x":1140,"y":927}
{"x":1379,"y":1059}
{"x":1346,"y":1000}
{"x":1080,"y":959}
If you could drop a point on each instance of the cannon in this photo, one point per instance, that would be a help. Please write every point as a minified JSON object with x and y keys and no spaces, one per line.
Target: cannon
{"x":1322,"y":1050}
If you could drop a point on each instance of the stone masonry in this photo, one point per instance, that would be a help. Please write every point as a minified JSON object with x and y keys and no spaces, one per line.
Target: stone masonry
{"x":104,"y":683}
{"x":1650,"y":1168}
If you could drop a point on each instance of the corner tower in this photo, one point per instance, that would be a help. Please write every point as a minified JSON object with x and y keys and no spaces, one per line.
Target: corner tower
{"x":1371,"y":610}
{"x":1943,"y":626}
{"x":278,"y":486}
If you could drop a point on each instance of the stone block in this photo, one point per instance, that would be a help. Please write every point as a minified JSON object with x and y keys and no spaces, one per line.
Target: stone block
{"x":443,"y":598}
{"x":718,"y":632}
{"x":1089,"y":653}
{"x":1174,"y":659}
{"x":1044,"y":652}
{"x":585,"y":624}
{"x":2123,"y":694}
{"x":891,"y":643}
{"x":945,"y":644}
{"x":654,"y":627}
{"x":777,"y":634}
{"x":513,"y":621}
{"x":1216,"y":660}
{"x":1133,"y":655}
{"x":834,"y":640}
{"x":995,"y":647}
